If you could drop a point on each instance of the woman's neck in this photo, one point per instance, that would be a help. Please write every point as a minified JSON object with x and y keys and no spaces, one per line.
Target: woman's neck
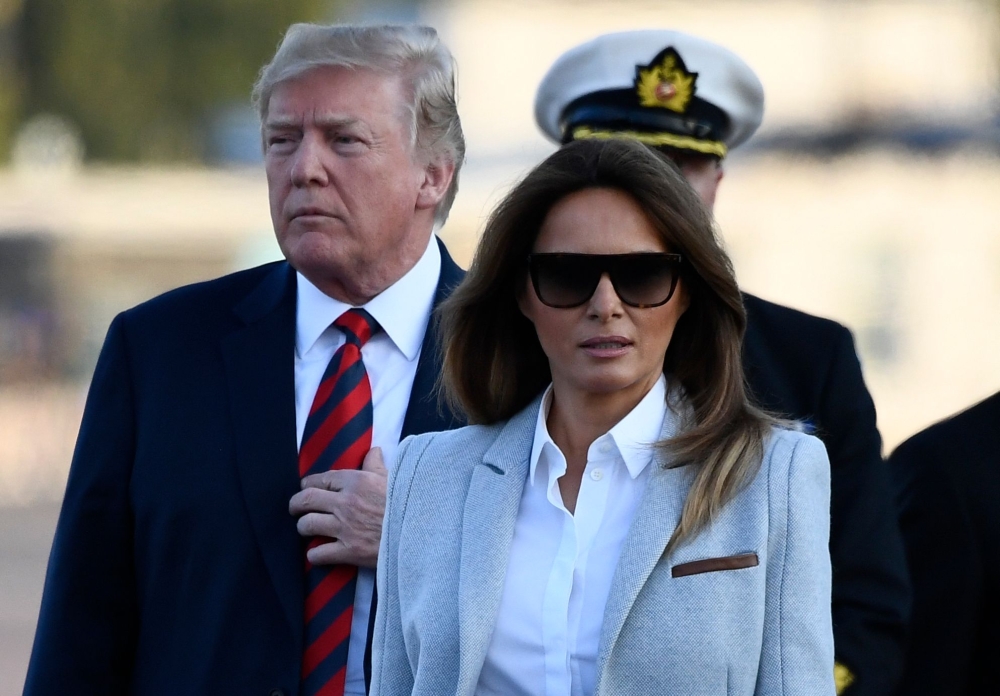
{"x":577,"y":418}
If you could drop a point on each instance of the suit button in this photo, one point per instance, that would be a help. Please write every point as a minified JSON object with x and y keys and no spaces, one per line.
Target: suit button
{"x":276,"y":692}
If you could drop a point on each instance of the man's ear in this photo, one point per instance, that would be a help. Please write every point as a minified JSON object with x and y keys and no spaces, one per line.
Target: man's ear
{"x":437,"y":178}
{"x":708,"y":196}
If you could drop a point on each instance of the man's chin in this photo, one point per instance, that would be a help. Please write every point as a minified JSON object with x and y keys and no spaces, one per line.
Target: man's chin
{"x":313,"y":250}
{"x":318,"y":268}
{"x":335,"y":276}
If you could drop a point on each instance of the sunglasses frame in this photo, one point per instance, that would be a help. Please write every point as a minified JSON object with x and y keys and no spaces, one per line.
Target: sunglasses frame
{"x":609,"y":261}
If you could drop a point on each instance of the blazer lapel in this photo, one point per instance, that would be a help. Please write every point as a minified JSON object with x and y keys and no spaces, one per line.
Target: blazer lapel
{"x":487,"y":531}
{"x":259,"y":360}
{"x":425,"y":413}
{"x":654,"y":523}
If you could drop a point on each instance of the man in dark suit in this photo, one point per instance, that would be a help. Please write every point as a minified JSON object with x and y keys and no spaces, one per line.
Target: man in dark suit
{"x":178,"y":562}
{"x":947,"y":481}
{"x":694,"y":101}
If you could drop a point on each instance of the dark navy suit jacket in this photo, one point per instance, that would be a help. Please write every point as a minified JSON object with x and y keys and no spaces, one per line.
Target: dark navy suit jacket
{"x":176,"y":566}
{"x":948,"y":483}
{"x":806,"y":368}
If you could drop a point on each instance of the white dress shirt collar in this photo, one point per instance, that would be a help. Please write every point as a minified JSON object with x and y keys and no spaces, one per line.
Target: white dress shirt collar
{"x":632,"y":436}
{"x":393,"y":308}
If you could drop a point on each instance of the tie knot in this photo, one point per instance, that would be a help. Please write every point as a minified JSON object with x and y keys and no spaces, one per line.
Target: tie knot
{"x":358,"y":325}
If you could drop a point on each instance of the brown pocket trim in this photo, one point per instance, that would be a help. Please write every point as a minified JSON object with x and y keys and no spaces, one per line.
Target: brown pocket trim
{"x":710,"y":565}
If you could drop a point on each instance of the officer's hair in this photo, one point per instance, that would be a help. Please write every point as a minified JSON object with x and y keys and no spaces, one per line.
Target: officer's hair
{"x":413,"y":52}
{"x":494,"y":365}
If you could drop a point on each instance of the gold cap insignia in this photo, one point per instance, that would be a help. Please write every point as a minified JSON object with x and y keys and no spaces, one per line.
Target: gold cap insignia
{"x":665,"y":82}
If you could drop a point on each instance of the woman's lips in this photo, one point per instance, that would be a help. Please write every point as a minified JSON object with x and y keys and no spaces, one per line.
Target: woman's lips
{"x":606,"y":346}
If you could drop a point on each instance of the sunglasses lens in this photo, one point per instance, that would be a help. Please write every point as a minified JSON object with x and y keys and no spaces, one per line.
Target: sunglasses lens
{"x":569,"y":280}
{"x":563,"y":280}
{"x":644,"y":280}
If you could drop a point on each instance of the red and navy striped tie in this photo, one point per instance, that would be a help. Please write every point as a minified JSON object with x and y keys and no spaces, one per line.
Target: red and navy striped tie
{"x":338,"y":434}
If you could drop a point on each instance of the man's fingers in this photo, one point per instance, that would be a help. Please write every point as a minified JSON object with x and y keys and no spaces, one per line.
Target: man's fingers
{"x":374,"y":463}
{"x":333,"y":480}
{"x":317,"y":524}
{"x":313,"y":500}
{"x":347,"y":506}
{"x":331,"y":553}
{"x":339,"y":479}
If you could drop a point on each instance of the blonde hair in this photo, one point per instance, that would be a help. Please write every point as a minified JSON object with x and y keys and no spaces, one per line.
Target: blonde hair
{"x":494,"y":365}
{"x":412,"y":51}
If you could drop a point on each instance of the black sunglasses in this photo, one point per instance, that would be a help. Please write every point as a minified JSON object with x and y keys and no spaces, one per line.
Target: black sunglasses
{"x":569,"y":280}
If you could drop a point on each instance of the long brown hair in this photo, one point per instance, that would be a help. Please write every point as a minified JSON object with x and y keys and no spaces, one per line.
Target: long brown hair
{"x":494,"y":365}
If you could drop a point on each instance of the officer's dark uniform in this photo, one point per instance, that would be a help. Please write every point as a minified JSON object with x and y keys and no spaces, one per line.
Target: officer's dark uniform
{"x":806,"y":367}
{"x":948,"y":486}
{"x":692,"y":98}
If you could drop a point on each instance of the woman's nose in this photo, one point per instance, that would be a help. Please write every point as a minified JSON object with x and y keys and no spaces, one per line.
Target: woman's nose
{"x":605,"y":303}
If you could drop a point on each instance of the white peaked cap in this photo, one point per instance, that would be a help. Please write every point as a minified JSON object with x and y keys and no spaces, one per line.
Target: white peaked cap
{"x":607,"y":68}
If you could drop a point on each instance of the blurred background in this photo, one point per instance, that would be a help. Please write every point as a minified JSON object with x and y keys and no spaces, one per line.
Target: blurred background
{"x":130,"y":164}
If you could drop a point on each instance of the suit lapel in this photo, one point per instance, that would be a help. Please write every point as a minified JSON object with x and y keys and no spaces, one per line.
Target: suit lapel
{"x":260,"y":371}
{"x":424,"y":413}
{"x":487,"y":531}
{"x":654,"y":523}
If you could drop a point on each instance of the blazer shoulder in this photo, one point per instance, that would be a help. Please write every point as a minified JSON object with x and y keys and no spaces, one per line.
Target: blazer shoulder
{"x":787,"y":451}
{"x":797,"y":472}
{"x":437,"y":464}
{"x":465,"y":445}
{"x":469,"y":438}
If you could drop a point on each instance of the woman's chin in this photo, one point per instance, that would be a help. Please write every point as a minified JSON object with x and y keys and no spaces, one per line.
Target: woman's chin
{"x":608,"y":383}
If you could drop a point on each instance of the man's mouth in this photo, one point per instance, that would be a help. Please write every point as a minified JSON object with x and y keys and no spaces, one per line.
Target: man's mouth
{"x":311,"y":211}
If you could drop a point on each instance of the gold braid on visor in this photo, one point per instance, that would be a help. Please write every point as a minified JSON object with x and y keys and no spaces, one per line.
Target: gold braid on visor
{"x":681,"y":142}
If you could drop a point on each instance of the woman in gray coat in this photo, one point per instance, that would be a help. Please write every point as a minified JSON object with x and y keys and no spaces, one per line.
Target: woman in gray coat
{"x":621,"y":519}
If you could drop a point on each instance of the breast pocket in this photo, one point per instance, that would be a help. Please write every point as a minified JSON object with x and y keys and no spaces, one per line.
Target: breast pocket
{"x":715,"y":565}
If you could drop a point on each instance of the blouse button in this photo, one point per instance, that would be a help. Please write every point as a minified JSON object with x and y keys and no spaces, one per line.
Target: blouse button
{"x":597,"y":474}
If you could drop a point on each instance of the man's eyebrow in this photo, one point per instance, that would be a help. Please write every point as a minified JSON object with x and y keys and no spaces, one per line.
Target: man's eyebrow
{"x":280,"y":123}
{"x":335,"y":121}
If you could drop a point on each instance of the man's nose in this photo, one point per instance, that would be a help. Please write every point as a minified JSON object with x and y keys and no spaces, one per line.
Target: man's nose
{"x":309,"y":163}
{"x":605,"y":303}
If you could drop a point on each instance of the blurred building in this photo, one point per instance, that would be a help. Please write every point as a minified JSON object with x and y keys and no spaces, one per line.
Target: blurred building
{"x":868,"y":196}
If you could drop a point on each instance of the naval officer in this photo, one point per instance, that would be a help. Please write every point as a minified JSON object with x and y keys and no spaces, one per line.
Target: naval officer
{"x":695,"y":101}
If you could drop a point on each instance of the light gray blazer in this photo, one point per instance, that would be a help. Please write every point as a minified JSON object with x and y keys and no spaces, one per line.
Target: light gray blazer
{"x":671,"y":626}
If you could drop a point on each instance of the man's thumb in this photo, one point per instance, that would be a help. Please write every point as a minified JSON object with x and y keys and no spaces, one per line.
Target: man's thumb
{"x":373,"y":462}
